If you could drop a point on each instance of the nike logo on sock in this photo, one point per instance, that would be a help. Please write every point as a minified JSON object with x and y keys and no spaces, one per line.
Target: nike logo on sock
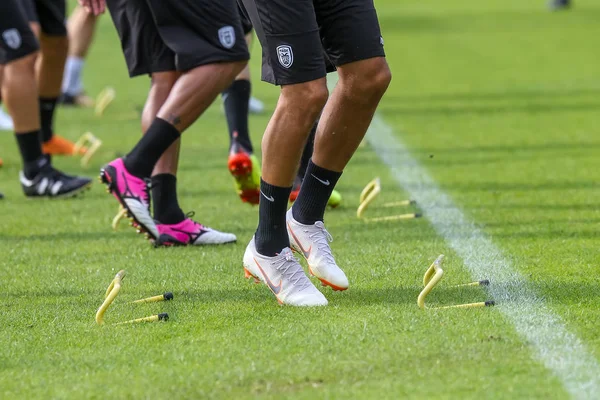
{"x":271,"y":198}
{"x":326,"y":183}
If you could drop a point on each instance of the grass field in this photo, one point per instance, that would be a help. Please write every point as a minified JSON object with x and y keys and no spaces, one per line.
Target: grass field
{"x":498,"y":101}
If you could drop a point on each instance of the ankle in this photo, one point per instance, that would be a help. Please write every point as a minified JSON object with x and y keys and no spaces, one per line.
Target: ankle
{"x":314,"y":194}
{"x":271,"y":235}
{"x":164,"y":198}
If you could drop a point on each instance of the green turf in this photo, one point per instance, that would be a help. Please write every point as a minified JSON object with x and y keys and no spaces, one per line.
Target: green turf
{"x":498,"y":100}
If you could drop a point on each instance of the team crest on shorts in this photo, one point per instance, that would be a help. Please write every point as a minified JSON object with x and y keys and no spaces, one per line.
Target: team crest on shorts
{"x":285,"y":55}
{"x":227,"y":36}
{"x":12,"y":38}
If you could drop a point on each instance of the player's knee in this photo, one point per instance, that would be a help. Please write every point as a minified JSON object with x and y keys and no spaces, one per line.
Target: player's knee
{"x":310,"y":97}
{"x":370,"y":79}
{"x":382,"y":77}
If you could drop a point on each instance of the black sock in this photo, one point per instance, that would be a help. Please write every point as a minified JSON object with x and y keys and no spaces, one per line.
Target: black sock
{"x":47,"y":106}
{"x":30,"y":148}
{"x":235,"y":100}
{"x":271,"y":235}
{"x":141,"y":160}
{"x":316,"y":188}
{"x":164,"y":198}
{"x":307,"y":153}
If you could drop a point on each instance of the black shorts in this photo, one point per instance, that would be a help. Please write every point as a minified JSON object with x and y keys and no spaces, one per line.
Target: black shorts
{"x":50,"y":14}
{"x":303,"y":39}
{"x":246,"y":23}
{"x":159,"y":35}
{"x":16,"y":38}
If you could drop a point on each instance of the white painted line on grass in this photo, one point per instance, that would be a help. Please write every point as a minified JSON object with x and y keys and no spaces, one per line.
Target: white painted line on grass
{"x":558,"y":349}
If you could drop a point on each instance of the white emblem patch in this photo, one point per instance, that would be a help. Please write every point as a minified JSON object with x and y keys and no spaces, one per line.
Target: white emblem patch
{"x":381,"y":40}
{"x":285,"y":55}
{"x":12,"y":38}
{"x":227,"y":36}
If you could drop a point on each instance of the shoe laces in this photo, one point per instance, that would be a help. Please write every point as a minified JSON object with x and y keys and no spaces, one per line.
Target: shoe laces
{"x":190,"y":215}
{"x":290,"y":269}
{"x":321,"y":237}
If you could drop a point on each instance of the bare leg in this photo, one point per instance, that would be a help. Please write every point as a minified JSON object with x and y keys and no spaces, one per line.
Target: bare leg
{"x":191,"y":94}
{"x":162,"y":84}
{"x":284,"y":139}
{"x":187,"y":96}
{"x":19,"y":92}
{"x":340,"y":130}
{"x":297,"y":110}
{"x":165,"y":203}
{"x":195,"y":91}
{"x":52,"y":64}
{"x":81,"y":27}
{"x":349,"y":111}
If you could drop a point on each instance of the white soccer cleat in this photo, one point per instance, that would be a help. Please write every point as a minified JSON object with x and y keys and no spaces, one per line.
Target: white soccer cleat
{"x":284,"y":276}
{"x":312,"y":241}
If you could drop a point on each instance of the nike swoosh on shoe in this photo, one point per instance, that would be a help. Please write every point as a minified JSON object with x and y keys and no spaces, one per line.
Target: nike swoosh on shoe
{"x":274,"y":289}
{"x":305,"y":252}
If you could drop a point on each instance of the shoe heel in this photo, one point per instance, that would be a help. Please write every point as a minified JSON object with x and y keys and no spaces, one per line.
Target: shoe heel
{"x":104,"y":179}
{"x":240,"y":166}
{"x":248,"y":275}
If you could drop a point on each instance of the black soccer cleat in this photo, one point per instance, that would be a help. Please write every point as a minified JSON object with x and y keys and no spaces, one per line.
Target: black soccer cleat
{"x":52,"y":183}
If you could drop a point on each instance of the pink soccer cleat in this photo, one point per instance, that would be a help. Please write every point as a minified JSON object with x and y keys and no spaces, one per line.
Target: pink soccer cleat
{"x":190,"y":232}
{"x":133,"y":193}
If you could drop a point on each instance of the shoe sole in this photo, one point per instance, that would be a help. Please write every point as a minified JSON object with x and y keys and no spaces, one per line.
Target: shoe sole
{"x":70,"y":195}
{"x":326,"y":283}
{"x":240,"y":167}
{"x":257,"y":281}
{"x":165,"y":240}
{"x":107,"y":180}
{"x":323,"y":281}
{"x":75,"y":192}
{"x":250,"y":275}
{"x":168,"y":241}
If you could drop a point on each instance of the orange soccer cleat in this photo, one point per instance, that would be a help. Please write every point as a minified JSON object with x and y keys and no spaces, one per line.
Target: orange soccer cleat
{"x":59,"y":146}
